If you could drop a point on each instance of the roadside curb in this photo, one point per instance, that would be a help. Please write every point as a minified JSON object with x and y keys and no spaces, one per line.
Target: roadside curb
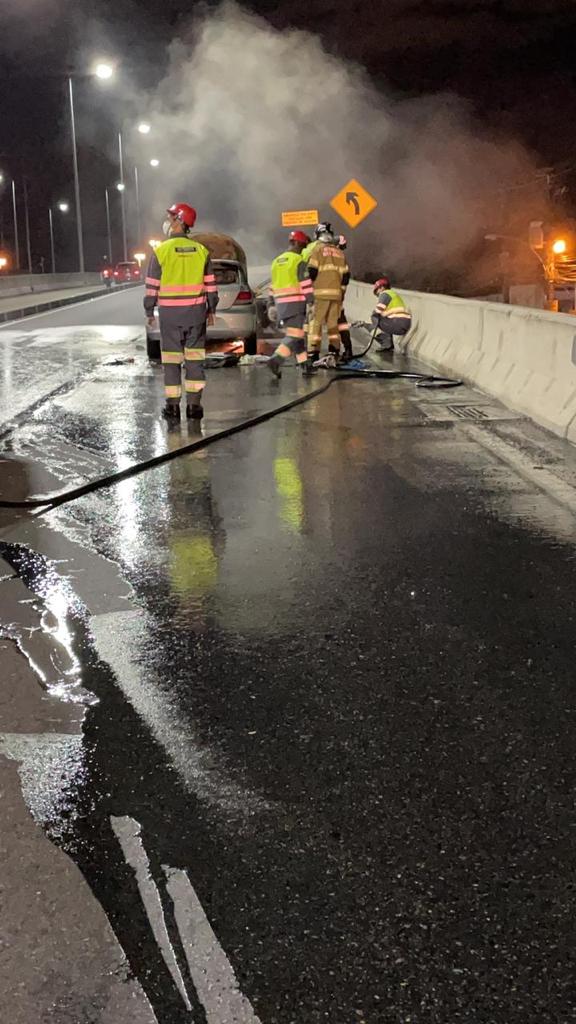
{"x":6,"y":316}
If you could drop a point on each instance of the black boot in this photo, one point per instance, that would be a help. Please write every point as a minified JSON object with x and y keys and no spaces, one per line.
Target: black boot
{"x":308,"y":368}
{"x":194,"y":412}
{"x":274,"y":364}
{"x":313,"y":356}
{"x":171,"y":411}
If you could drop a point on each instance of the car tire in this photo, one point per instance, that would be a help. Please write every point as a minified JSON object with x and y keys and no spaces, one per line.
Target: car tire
{"x":251,"y":345}
{"x":153,"y":348}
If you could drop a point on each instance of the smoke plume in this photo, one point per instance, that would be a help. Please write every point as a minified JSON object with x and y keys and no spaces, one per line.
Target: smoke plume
{"x":250,"y":121}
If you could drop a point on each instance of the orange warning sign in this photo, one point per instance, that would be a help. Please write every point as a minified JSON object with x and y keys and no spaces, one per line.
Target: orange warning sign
{"x":298,"y":218}
{"x":353,"y":203}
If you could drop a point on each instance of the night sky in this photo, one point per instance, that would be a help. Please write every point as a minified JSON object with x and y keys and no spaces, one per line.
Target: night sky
{"x":512,"y":61}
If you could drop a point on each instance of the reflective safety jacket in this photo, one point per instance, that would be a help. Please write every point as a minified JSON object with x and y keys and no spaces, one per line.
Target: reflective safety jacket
{"x":391,"y":307}
{"x":291,"y":286}
{"x":180,"y":278}
{"x":329,"y":271}
{"x":307,"y":252}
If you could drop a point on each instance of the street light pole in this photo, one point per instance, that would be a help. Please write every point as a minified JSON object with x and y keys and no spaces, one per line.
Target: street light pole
{"x":16,"y":236}
{"x":122,"y":199}
{"x":52,"y":239}
{"x":27,"y":222}
{"x":138,"y":220}
{"x":108,"y":228}
{"x":76,"y":179}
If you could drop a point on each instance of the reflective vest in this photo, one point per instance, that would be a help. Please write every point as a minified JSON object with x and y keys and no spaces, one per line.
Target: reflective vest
{"x":395,"y":307}
{"x":307,"y":252}
{"x":183,"y":281}
{"x":286,"y":283}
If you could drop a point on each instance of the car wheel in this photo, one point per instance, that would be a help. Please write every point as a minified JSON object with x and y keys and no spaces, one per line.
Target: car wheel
{"x":153,"y":347}
{"x":251,"y":345}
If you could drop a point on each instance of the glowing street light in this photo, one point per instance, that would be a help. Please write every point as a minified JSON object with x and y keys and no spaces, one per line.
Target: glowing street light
{"x":144,"y":128}
{"x":63,"y":206}
{"x":153,"y":243}
{"x":153,"y":163}
{"x":3,"y":262}
{"x":140,"y":257}
{"x":103,"y":71}
{"x":120,"y":186}
{"x":559,"y":246}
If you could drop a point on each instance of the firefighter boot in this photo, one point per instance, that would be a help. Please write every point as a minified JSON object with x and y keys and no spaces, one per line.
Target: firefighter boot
{"x":194,"y":410}
{"x":171,"y":411}
{"x":308,"y":368}
{"x":274,"y":364}
{"x":347,"y":354}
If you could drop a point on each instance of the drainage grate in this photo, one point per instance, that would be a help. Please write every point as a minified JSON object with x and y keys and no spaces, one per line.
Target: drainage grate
{"x":476,"y":413}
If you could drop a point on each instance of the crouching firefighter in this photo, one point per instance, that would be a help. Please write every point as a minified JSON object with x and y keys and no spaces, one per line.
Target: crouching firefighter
{"x":390,"y":316}
{"x":180,"y":279}
{"x":292,"y":291}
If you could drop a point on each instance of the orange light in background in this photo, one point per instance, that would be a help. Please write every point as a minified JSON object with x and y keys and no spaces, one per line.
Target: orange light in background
{"x":3,"y":262}
{"x":559,"y":246}
{"x":154,"y":243}
{"x":140,"y":257}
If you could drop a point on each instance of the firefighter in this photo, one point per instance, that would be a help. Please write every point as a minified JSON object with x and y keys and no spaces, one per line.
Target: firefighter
{"x":329,"y":272}
{"x":180,"y":279}
{"x":343,"y":326}
{"x":292,"y":291}
{"x":390,"y":316}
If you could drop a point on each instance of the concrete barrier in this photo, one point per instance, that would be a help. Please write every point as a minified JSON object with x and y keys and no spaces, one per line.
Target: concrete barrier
{"x":525,"y":357}
{"x":26,"y":284}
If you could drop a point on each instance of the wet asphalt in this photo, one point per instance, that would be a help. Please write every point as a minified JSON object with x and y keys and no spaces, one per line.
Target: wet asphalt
{"x":333,"y":658}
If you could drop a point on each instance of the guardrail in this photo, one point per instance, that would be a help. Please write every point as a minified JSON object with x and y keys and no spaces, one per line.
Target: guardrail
{"x":523,"y":356}
{"x":26,"y":284}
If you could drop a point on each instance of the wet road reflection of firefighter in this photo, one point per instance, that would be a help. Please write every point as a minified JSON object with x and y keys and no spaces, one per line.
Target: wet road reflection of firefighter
{"x":194,"y":534}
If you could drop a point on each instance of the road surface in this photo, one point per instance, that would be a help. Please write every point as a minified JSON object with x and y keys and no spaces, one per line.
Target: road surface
{"x":326,"y":769}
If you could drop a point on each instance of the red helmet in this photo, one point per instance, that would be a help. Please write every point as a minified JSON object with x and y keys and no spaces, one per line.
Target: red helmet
{"x":382,"y":282}
{"x":186,"y":214}
{"x":299,"y":236}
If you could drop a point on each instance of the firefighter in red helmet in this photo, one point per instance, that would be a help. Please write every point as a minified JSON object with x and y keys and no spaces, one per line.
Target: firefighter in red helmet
{"x":292,"y":291}
{"x":181,"y":280}
{"x":391,"y":316}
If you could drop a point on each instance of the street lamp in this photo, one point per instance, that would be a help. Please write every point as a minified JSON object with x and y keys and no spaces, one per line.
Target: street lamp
{"x":154,"y":162}
{"x":144,"y":128}
{"x":559,"y":246}
{"x":103,"y":71}
{"x":63,"y":207}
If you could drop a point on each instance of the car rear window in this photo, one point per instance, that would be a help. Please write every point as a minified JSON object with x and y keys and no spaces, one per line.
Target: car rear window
{"x":127,"y":266}
{"x":226,"y":273}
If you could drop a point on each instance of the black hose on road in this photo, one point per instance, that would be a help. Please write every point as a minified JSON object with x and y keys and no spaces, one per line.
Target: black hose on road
{"x":48,"y":503}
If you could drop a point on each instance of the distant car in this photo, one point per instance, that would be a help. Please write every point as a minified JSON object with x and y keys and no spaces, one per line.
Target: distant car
{"x":235,"y":322}
{"x":126,"y":272}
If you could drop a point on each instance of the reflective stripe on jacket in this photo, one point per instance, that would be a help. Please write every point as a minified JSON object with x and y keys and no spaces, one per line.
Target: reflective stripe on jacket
{"x":180,"y":275}
{"x":291,"y":286}
{"x":394,"y":308}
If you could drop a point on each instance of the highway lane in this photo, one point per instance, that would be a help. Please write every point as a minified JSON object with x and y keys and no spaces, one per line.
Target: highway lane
{"x":331,"y":760}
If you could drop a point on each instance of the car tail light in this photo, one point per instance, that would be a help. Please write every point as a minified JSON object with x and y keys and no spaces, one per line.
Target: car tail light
{"x":244,"y":296}
{"x":116,"y":273}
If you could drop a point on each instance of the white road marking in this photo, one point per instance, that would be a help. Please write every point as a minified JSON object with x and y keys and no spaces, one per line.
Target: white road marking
{"x":128,"y":834}
{"x":211,"y":971}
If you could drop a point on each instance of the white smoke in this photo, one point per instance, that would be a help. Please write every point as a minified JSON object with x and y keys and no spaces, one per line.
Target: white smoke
{"x":251,"y":121}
